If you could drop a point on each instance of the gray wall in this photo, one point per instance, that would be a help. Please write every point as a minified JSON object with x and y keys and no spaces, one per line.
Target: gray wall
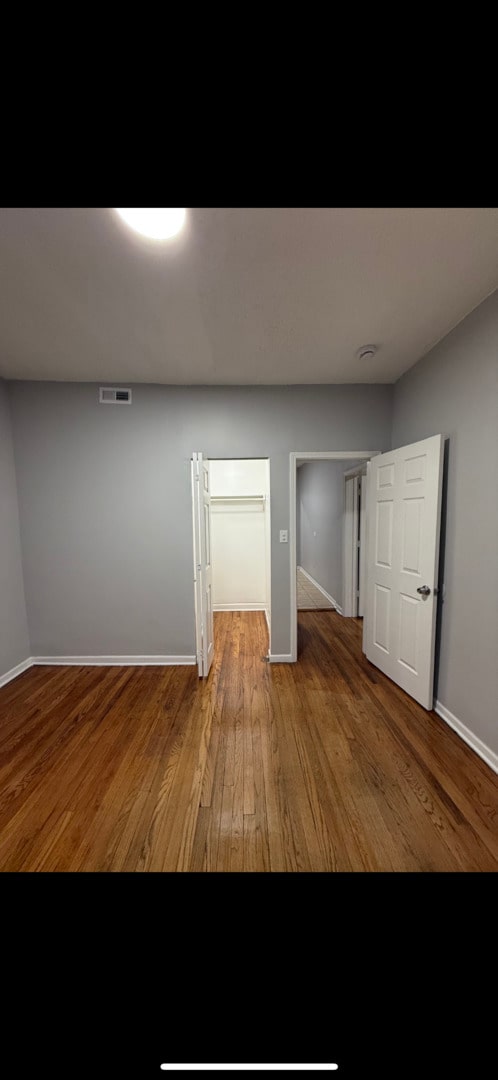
{"x":320,"y":502}
{"x":454,"y":390}
{"x":105,"y":502}
{"x":14,"y":642}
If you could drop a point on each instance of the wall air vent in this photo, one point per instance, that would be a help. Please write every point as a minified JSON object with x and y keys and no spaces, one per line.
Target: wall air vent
{"x":114,"y":395}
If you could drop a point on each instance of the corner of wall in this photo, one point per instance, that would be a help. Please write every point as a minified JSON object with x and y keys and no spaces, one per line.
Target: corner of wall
{"x":16,"y":651}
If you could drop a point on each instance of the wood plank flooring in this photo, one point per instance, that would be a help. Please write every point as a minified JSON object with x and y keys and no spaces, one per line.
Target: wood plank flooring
{"x":324,"y":765}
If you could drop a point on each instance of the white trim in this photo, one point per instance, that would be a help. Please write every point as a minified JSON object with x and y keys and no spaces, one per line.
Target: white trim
{"x":238,"y":498}
{"x":335,"y":455}
{"x":311,"y":455}
{"x":368,"y":511}
{"x":321,"y":589}
{"x":280,"y":658}
{"x":115,"y":661}
{"x":15,"y":671}
{"x":268,"y":620}
{"x":239,"y":607}
{"x":350,"y":547}
{"x":96,"y":661}
{"x":362,"y":583}
{"x":357,"y":470}
{"x":195,"y":481}
{"x":475,"y":743}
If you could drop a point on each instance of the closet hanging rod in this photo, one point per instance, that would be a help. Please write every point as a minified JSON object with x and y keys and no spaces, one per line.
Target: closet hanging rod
{"x":239,"y":498}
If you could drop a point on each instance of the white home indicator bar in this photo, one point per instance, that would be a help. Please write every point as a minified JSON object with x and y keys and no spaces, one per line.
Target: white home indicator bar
{"x":301,"y":1068}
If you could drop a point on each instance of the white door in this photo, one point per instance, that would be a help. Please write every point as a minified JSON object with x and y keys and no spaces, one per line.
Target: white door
{"x":362,"y":481}
{"x":201,"y":507}
{"x":404,"y":511}
{"x":350,"y":548}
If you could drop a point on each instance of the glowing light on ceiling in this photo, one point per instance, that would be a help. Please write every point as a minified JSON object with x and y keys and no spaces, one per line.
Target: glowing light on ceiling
{"x":156,"y":224}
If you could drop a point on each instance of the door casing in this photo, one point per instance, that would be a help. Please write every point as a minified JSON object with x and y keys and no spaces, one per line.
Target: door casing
{"x":294,"y":457}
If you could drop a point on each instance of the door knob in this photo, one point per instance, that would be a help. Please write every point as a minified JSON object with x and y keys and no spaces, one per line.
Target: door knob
{"x":424,"y":590}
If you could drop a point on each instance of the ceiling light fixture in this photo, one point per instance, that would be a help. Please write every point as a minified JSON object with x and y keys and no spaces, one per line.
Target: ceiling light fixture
{"x":153,"y":223}
{"x":366,"y":352}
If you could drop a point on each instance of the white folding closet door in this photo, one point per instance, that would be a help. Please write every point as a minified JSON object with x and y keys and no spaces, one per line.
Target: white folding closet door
{"x":201,"y":510}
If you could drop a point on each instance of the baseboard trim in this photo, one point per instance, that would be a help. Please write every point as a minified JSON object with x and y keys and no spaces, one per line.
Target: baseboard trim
{"x":468,"y":736}
{"x":15,"y":671}
{"x":238,"y":607}
{"x":268,"y":620}
{"x":322,"y":590}
{"x":114,"y":661}
{"x":280,"y":658}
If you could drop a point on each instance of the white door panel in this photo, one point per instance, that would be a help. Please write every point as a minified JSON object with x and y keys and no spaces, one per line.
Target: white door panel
{"x":350,"y":548}
{"x":202,"y":563}
{"x":363,"y":539}
{"x":404,"y":509}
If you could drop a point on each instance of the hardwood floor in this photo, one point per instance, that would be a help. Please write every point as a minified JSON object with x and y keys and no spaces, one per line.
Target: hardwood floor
{"x":324,"y":765}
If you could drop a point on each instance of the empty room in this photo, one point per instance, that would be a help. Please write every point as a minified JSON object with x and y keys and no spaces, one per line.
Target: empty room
{"x":248,"y":524}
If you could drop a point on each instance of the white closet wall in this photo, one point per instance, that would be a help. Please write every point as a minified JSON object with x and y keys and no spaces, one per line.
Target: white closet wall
{"x":240,"y":534}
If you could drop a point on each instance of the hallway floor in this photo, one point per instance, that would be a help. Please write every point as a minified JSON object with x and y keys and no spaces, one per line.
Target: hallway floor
{"x":309,"y":598}
{"x":324,"y":765}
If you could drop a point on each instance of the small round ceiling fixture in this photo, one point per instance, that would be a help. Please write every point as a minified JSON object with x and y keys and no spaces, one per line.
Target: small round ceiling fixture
{"x":366,"y":352}
{"x":156,"y":224}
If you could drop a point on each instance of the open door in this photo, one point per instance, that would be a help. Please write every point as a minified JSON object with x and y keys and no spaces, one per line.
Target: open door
{"x":362,"y":569}
{"x":404,"y":512}
{"x":201,"y":513}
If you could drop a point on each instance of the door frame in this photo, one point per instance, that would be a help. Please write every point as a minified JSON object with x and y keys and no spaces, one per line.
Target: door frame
{"x":354,"y":590}
{"x":197,"y":578}
{"x":350,"y":521}
{"x":201,"y":537}
{"x":294,"y":457}
{"x":196,"y":544}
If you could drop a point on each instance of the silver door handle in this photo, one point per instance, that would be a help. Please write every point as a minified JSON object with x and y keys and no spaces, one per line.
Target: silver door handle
{"x":424,"y":590}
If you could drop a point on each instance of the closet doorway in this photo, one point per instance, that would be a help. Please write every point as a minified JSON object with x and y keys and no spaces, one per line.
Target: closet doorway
{"x":232,"y":543}
{"x":240,"y":533}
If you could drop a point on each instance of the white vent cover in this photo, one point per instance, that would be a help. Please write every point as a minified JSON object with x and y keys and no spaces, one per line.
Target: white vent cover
{"x":114,"y":395}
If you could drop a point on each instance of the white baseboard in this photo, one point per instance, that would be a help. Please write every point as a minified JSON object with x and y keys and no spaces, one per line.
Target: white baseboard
{"x":238,"y":607}
{"x":280,"y":658}
{"x":114,"y":661}
{"x":468,"y":736}
{"x":268,"y":620}
{"x":322,"y":590}
{"x":15,"y":671}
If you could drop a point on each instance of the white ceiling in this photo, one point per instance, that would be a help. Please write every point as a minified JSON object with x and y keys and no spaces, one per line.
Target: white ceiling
{"x":242,"y":296}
